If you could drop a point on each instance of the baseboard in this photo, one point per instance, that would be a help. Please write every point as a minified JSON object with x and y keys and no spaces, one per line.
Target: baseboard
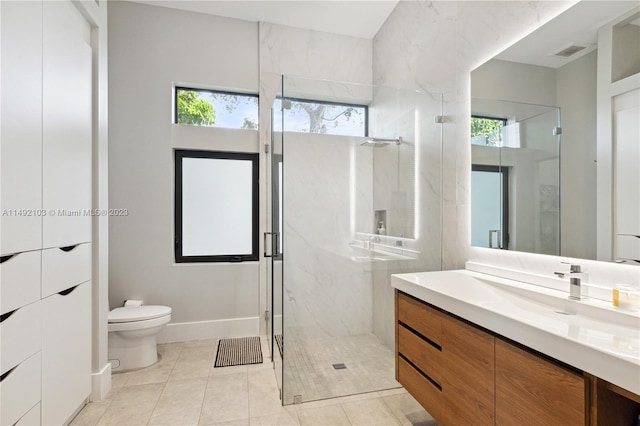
{"x":214,"y":329}
{"x":101,"y":383}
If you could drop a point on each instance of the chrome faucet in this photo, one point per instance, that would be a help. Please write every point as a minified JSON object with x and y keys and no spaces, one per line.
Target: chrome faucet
{"x":575,"y":275}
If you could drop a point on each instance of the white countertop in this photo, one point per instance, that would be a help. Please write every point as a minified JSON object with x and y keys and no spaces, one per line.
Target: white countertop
{"x":588,"y":335}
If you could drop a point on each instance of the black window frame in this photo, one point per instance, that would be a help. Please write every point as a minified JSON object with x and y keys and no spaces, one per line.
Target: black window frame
{"x":179,"y":154}
{"x":222,"y":92}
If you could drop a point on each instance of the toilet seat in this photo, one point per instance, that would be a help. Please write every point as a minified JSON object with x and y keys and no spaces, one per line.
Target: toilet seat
{"x":138,"y":313}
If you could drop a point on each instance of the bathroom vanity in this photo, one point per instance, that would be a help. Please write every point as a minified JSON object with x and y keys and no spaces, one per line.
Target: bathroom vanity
{"x":477,"y":349}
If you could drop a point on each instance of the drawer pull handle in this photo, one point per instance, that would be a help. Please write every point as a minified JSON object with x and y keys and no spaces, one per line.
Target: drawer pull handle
{"x":5,"y":375}
{"x":67,"y":291}
{"x":7,"y":315}
{"x":7,"y":257}
{"x":67,"y":249}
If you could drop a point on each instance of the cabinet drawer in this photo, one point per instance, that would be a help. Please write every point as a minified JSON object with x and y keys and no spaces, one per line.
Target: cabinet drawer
{"x":19,"y":280}
{"x":62,"y":269}
{"x":531,"y":387}
{"x":422,"y":354}
{"x":419,"y":316}
{"x":20,"y":390}
{"x":66,"y":353}
{"x":425,"y":392}
{"x":32,"y":418}
{"x":20,"y":336}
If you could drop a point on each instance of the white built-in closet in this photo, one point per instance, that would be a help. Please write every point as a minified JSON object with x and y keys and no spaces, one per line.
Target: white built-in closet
{"x":45,"y":197}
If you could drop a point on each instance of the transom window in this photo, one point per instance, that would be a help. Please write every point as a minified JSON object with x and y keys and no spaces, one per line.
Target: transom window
{"x":487,"y":131}
{"x":328,"y":118}
{"x":201,"y":107}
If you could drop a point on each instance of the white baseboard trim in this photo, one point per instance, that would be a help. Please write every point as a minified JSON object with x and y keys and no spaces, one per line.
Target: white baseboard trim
{"x":101,"y":383}
{"x":213,"y":329}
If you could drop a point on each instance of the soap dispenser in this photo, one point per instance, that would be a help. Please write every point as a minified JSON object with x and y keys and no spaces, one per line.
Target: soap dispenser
{"x":381,"y":229}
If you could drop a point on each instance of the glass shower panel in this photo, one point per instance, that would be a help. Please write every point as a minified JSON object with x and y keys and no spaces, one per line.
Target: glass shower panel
{"x":338,"y":186}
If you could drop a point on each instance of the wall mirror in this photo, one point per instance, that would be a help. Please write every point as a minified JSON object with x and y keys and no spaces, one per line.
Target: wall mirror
{"x":555,"y":127}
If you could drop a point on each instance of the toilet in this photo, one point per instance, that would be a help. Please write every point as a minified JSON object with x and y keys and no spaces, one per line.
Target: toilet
{"x":133,"y":329}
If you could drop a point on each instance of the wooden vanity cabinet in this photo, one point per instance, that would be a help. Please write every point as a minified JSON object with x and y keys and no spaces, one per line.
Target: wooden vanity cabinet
{"x":445,"y":363}
{"x":463,"y":374}
{"x":534,"y":390}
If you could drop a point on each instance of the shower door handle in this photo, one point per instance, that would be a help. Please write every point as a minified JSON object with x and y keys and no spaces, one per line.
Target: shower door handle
{"x":274,"y":242}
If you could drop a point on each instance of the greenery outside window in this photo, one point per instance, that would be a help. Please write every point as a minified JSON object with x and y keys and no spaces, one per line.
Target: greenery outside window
{"x":200,"y":107}
{"x":216,"y":206}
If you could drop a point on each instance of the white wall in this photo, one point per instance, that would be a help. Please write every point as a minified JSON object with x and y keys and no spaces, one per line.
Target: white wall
{"x":151,"y":49}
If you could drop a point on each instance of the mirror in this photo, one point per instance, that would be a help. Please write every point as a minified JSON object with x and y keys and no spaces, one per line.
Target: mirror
{"x":554,"y":130}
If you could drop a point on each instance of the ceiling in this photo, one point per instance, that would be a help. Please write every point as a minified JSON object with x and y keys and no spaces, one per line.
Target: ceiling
{"x":578,"y":25}
{"x":359,"y":18}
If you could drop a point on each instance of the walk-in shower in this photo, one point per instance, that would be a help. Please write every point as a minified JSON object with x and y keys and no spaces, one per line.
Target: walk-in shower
{"x":331,"y":303}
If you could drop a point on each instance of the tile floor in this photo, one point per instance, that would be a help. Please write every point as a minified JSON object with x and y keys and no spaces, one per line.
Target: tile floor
{"x":183,"y":388}
{"x":309,"y":372}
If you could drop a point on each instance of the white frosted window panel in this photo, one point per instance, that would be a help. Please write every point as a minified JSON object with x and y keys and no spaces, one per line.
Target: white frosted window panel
{"x":216,"y":207}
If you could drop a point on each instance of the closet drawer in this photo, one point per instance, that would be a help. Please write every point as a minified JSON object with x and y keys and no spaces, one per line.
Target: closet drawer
{"x":63,"y":268}
{"x":20,"y":390}
{"x":19,"y":280}
{"x":19,"y":336}
{"x":31,"y":418}
{"x":627,"y":247}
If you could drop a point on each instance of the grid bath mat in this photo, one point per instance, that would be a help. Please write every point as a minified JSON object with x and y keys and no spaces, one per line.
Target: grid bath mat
{"x":239,"y":351}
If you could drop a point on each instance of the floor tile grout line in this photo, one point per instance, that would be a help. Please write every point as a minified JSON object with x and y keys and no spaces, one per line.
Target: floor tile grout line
{"x":204,"y":394}
{"x":164,"y":387}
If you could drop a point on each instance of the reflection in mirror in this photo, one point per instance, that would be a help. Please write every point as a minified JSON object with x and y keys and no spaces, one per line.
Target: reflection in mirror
{"x":585,"y":63}
{"x":515,"y":178}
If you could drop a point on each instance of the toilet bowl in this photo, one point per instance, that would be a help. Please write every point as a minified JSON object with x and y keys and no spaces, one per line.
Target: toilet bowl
{"x":132,"y":335}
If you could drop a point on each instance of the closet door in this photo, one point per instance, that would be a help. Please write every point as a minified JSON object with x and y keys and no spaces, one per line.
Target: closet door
{"x":21,"y":130}
{"x":67,"y":125}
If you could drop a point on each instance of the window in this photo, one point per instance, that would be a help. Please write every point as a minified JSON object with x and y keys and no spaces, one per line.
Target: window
{"x":322,"y":117}
{"x":216,"y":206}
{"x":487,"y":131}
{"x":201,"y":107}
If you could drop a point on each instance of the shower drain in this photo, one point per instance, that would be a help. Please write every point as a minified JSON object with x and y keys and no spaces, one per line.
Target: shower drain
{"x":340,"y":366}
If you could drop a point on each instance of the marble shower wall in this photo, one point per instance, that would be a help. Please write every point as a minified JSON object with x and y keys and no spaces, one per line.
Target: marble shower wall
{"x":326,"y":293}
{"x":433,"y":46}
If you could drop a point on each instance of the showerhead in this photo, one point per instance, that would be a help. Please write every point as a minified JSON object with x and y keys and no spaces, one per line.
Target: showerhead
{"x":380,"y":142}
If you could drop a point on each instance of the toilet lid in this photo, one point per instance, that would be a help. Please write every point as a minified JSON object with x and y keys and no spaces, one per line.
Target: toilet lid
{"x":138,"y":313}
